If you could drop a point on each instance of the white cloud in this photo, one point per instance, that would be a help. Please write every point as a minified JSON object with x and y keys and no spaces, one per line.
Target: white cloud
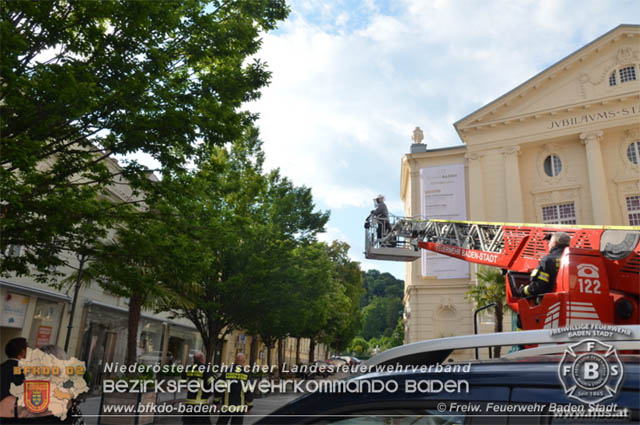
{"x":336,"y":196}
{"x":350,"y":83}
{"x":332,"y":234}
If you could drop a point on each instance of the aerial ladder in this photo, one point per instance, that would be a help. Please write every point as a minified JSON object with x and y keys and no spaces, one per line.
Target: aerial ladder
{"x":598,"y":280}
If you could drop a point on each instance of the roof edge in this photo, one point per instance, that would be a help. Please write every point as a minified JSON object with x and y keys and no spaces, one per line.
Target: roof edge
{"x":502,"y":97}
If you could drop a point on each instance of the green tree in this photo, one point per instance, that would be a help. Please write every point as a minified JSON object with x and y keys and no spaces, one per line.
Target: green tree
{"x":381,"y":316}
{"x":85,"y":82}
{"x":397,"y":336}
{"x":378,"y":284}
{"x":241,"y":228}
{"x":130,"y":265}
{"x":294,"y":300}
{"x":490,"y":288}
{"x":381,"y":304}
{"x":359,"y":347}
{"x":386,"y":342}
{"x":344,"y":319}
{"x":208,"y":216}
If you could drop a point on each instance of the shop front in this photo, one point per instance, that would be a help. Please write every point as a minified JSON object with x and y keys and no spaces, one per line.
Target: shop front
{"x":104,"y":339}
{"x":32,"y":313}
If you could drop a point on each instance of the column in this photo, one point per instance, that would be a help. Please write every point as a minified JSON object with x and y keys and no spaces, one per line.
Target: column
{"x":412,"y":268}
{"x":476,"y":187}
{"x":597,"y":179}
{"x":415,"y":192}
{"x":513,"y":189}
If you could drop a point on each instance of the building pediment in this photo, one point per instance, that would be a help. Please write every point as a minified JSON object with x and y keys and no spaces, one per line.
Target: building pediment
{"x":588,"y":79}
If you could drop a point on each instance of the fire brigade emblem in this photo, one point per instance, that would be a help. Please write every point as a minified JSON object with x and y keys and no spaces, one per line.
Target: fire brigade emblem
{"x":36,"y":395}
{"x":590,"y":371}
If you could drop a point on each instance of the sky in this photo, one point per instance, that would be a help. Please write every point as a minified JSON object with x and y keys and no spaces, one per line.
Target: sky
{"x":352,"y":79}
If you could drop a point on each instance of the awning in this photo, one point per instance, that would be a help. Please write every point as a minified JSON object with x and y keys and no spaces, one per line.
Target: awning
{"x":90,"y":303}
{"x":40,"y":293}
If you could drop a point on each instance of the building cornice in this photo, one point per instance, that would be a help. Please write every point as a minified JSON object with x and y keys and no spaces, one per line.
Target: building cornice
{"x":554,"y":188}
{"x":550,"y":112}
{"x":550,"y":73}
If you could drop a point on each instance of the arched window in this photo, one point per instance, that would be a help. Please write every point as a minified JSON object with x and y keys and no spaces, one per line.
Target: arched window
{"x":633,"y":152}
{"x":552,"y":165}
{"x":628,"y":73}
{"x":624,"y":74}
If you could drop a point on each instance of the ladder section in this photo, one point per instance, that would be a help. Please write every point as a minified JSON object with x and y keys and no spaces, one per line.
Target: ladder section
{"x":511,"y":246}
{"x":478,"y":236}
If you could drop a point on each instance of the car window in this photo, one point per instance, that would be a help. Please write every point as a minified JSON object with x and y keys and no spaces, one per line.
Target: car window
{"x":396,"y":417}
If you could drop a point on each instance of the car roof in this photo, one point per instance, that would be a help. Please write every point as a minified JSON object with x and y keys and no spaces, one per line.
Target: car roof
{"x":536,"y":378}
{"x":533,"y":371}
{"x":437,"y":350}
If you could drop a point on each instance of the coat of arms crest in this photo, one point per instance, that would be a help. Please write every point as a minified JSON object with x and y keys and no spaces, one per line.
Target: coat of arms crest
{"x":37,"y":395}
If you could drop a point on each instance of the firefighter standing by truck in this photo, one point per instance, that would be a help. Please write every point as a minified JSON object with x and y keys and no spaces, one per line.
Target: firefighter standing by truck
{"x":237,"y":399}
{"x":543,"y":278}
{"x":198,"y":401}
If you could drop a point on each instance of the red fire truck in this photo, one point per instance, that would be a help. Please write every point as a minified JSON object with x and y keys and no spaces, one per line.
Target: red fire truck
{"x":598,"y":280}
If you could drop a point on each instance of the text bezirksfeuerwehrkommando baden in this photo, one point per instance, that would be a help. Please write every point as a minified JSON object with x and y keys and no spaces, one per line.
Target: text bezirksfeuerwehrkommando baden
{"x":117,"y":368}
{"x":362,"y":386}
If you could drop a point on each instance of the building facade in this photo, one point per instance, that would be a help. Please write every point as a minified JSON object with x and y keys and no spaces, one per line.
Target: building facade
{"x":561,"y":148}
{"x":98,"y":331}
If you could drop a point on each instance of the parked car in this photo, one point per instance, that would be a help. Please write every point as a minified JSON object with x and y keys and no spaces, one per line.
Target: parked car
{"x":518,"y":388}
{"x":319,"y":369}
{"x":351,"y":361}
{"x":337,"y":361}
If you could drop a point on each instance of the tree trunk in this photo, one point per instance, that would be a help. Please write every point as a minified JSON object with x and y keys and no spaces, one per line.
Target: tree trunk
{"x":280,"y":354}
{"x":268,"y":355}
{"x":312,"y":350}
{"x":297,"y":350}
{"x":135,"y":309}
{"x":208,"y":349}
{"x":212,"y":348}
{"x":253,"y":351}
{"x":498,"y":315}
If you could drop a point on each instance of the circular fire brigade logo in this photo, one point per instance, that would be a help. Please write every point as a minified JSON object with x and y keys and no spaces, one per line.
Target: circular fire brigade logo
{"x":594,"y":374}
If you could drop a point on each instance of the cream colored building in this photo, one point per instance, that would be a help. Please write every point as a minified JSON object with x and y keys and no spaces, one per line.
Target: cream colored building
{"x":562,"y":147}
{"x":239,"y":341}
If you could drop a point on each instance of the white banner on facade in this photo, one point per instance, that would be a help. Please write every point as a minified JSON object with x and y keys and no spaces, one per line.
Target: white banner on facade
{"x":442,"y":191}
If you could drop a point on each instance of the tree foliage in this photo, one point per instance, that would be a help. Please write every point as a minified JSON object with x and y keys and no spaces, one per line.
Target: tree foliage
{"x":381,"y":316}
{"x":359,"y":347}
{"x":490,"y":288}
{"x":85,"y":82}
{"x":130,"y":264}
{"x":290,"y":297}
{"x":344,"y":319}
{"x":386,"y":342}
{"x":382,"y":303}
{"x":86,"y":87}
{"x":237,"y":234}
{"x":378,"y":284}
